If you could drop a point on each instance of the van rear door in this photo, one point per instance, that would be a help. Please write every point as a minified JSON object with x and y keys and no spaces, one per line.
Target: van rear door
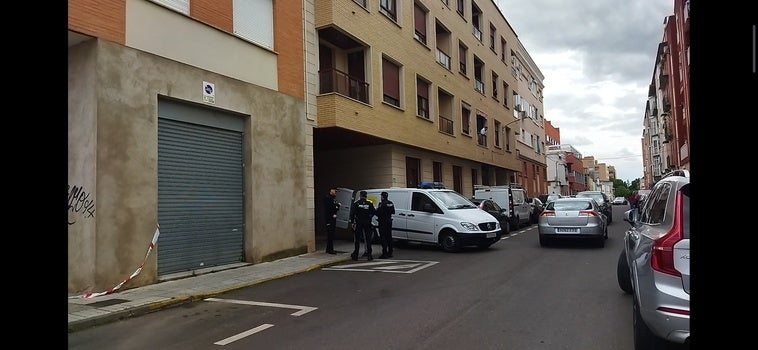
{"x":344,"y":196}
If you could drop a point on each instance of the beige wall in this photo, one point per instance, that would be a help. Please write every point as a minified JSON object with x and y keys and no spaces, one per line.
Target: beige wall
{"x":113,"y":97}
{"x":192,"y":42}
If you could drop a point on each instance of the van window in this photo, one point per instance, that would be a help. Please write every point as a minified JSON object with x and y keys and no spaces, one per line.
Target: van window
{"x":518,"y":197}
{"x":419,"y":200}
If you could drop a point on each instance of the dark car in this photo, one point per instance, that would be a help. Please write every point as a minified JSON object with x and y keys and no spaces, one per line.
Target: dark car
{"x":495,"y":210}
{"x":602,"y":200}
{"x":537,"y":207}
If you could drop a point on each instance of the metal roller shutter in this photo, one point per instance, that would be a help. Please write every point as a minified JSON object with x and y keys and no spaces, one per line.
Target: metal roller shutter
{"x":200,"y":195}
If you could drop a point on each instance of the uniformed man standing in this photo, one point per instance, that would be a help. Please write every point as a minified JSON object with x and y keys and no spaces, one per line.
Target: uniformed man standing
{"x":384,"y":212}
{"x":360,"y":218}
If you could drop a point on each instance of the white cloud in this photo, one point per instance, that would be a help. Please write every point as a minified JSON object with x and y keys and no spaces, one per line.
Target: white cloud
{"x":597,"y":58}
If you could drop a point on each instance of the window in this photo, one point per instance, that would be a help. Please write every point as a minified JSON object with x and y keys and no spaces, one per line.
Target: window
{"x":419,"y":200}
{"x":457,"y":179}
{"x":497,"y":133}
{"x":422,"y":98}
{"x":176,"y":5}
{"x":465,"y":118}
{"x":391,"y":82}
{"x":461,"y":8}
{"x":505,"y":93}
{"x":476,"y":22}
{"x":493,"y":31}
{"x":389,"y":8}
{"x":254,"y":20}
{"x":361,"y":2}
{"x":437,"y":171}
{"x":462,"y":53}
{"x":478,"y":75}
{"x":495,"y":83}
{"x":419,"y":23}
{"x":502,"y":49}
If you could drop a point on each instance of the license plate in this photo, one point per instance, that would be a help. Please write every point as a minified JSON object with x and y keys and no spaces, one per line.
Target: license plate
{"x":491,"y":235}
{"x":566,"y":230}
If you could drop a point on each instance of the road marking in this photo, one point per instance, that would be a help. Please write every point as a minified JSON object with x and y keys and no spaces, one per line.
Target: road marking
{"x":303,"y":309}
{"x":244,"y":334}
{"x":394,"y":266}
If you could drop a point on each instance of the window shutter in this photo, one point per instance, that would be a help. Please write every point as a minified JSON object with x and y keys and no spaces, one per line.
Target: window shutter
{"x":423,"y":88}
{"x":419,"y":17}
{"x":391,"y":79}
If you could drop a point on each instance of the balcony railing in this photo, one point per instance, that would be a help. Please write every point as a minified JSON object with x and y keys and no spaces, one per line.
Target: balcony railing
{"x":443,"y":59}
{"x":446,"y":125}
{"x":334,"y":80}
{"x":479,"y":85}
{"x":477,"y":33}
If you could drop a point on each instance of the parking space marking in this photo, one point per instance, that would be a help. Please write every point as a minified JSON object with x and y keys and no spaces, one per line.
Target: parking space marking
{"x":394,"y":266}
{"x":303,"y":309}
{"x":246,"y":333}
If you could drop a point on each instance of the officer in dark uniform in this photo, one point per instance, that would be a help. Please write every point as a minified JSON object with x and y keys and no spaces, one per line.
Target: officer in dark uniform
{"x":330,"y":207}
{"x":360,"y":218}
{"x":384,"y":212}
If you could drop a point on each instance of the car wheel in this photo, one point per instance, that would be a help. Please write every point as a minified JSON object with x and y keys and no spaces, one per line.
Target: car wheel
{"x":544,"y":241}
{"x":622,"y":274}
{"x":605,"y":232}
{"x":644,"y":339}
{"x":507,"y":228}
{"x":450,"y":241}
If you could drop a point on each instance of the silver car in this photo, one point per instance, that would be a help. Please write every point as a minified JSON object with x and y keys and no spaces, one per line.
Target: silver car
{"x":654,"y":265}
{"x":574,"y":218}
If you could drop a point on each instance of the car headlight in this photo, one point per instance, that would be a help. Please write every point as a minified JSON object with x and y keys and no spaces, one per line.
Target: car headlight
{"x":469,"y":226}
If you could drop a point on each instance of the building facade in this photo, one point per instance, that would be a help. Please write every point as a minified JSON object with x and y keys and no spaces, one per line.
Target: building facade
{"x":666,"y":136}
{"x":417,"y":91}
{"x":189,"y":137}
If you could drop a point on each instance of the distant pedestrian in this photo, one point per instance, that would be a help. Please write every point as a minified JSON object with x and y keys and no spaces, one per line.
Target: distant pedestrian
{"x":330,"y":207}
{"x":360,"y":219}
{"x":384,"y":212}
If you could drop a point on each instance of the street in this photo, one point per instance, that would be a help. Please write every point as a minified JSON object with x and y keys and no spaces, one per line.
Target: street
{"x":514,"y":295}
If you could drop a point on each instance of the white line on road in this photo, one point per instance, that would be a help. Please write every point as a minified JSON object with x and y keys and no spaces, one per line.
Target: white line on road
{"x":244,"y":334}
{"x":303,"y":309}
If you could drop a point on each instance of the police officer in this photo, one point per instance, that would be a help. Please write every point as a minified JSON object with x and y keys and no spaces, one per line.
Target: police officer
{"x":360,"y":218}
{"x":330,"y":207}
{"x":384,"y":212}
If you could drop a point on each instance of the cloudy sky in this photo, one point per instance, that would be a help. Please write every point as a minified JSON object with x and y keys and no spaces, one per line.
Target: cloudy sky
{"x":597,"y":57}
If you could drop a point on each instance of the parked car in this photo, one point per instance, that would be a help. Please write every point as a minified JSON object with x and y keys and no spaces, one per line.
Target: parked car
{"x":620,"y":201}
{"x":552,"y":197}
{"x":602,"y":199}
{"x":495,"y":210}
{"x":512,"y":198}
{"x":537,"y":208}
{"x":654,"y":265}
{"x":575,"y":218}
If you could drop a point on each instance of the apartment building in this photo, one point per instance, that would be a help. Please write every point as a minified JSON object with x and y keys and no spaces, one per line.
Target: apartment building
{"x":666,"y":136}
{"x":531,"y":136}
{"x":424,"y":90}
{"x":189,"y":137}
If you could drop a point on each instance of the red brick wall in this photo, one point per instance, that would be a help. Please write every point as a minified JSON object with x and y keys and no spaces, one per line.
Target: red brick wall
{"x":288,"y":42}
{"x":217,"y":13}
{"x":104,"y":19}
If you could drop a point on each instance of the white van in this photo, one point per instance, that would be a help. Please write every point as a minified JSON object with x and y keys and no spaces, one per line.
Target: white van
{"x":438,"y":216}
{"x":510,"y":197}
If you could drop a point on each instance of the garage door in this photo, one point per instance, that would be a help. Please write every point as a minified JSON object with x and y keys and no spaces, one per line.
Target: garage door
{"x":200,"y":189}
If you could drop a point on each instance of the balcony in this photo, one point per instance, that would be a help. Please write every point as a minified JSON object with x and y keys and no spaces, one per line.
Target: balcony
{"x":334,"y":80}
{"x":479,"y":86}
{"x":443,"y":59}
{"x":446,"y":125}
{"x":477,"y":33}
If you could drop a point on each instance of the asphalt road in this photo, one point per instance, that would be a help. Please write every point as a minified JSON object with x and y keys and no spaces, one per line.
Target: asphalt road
{"x":514,"y":295}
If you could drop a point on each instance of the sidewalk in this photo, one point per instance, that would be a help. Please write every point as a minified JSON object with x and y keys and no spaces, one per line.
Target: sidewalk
{"x":85,"y":313}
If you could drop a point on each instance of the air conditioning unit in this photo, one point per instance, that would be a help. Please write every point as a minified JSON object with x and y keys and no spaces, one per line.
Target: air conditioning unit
{"x":518,"y":107}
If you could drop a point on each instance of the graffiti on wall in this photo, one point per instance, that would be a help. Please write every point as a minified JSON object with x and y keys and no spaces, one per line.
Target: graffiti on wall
{"x":79,"y":203}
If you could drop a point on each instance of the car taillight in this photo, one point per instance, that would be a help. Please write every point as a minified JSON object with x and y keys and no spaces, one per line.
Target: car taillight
{"x":662,"y":259}
{"x":547,"y":213}
{"x":587,"y":213}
